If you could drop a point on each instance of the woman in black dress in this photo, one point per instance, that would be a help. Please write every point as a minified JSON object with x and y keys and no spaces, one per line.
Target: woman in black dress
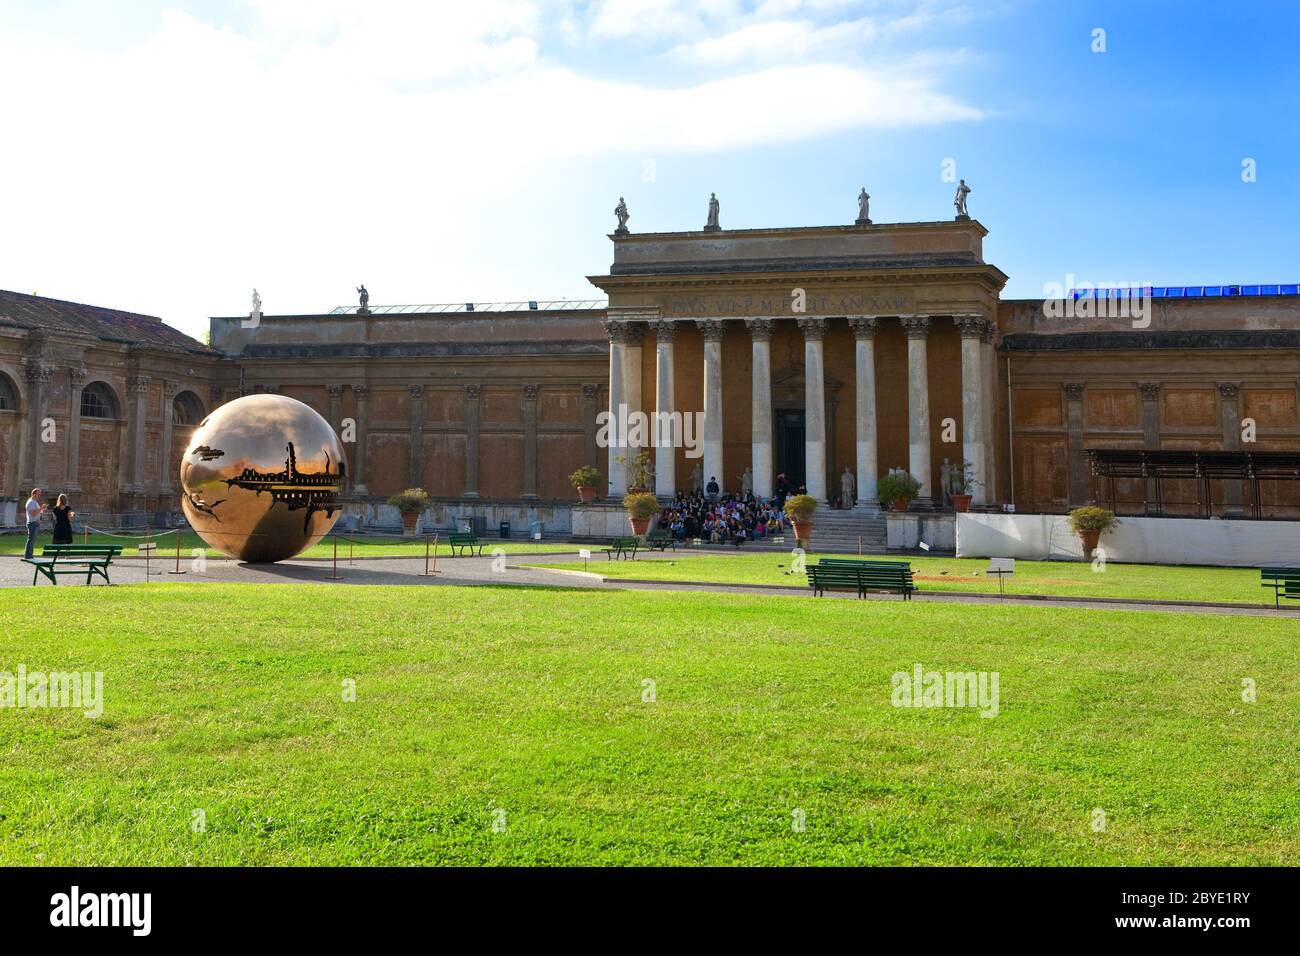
{"x":63,"y":516}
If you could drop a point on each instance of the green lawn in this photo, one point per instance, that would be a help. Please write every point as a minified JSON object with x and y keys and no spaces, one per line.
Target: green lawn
{"x":363,"y":547}
{"x":227,"y":699}
{"x":1074,"y":578}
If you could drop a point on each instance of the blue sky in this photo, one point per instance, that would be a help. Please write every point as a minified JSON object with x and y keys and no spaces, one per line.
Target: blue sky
{"x":170,"y":157}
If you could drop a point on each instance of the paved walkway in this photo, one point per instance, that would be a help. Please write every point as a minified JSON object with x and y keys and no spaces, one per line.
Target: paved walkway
{"x":515,"y":570}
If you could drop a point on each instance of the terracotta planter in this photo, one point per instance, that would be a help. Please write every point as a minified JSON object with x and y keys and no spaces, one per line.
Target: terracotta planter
{"x":587,"y":493}
{"x":409,"y":521}
{"x":803,"y":532}
{"x":639,"y":525}
{"x":961,"y":503}
{"x":1090,"y":540}
{"x":900,"y":504}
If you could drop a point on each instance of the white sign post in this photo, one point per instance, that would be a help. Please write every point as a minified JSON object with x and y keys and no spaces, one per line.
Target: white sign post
{"x":1003,"y":568}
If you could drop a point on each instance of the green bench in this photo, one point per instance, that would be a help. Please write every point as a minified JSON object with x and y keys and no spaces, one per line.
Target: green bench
{"x":661,"y":540}
{"x":622,"y":548}
{"x":1285,"y":583}
{"x":842,"y":574}
{"x":464,"y":541}
{"x":80,"y":559}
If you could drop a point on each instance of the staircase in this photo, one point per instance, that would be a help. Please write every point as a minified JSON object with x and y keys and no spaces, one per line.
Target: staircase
{"x":837,"y":532}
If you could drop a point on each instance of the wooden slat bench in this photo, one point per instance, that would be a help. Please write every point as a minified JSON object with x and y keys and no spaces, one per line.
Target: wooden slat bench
{"x":465,"y":541}
{"x":622,"y":548}
{"x":81,"y":559}
{"x":661,"y":541}
{"x":1285,"y":583}
{"x":841,"y":574}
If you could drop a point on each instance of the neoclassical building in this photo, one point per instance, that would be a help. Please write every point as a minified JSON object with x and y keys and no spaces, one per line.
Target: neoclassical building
{"x":806,"y":351}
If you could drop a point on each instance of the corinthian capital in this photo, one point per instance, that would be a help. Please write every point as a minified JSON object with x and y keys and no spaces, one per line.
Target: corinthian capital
{"x":915,"y":326}
{"x":760,"y":329}
{"x":814,"y":330}
{"x":864,"y":326}
{"x":624,"y":333}
{"x":711,"y":329}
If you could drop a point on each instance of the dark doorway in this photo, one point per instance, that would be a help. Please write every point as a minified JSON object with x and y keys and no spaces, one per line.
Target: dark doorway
{"x":790,"y":446}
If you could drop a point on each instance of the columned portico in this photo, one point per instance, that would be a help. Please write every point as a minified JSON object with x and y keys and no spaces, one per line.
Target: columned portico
{"x":814,"y":330}
{"x":973,"y":398}
{"x":624,"y":396}
{"x":665,"y":435}
{"x":917,"y":328}
{"x":713,"y":466}
{"x":760,"y":331}
{"x":864,"y":336}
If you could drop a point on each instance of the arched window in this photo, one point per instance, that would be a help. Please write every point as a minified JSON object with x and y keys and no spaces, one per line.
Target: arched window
{"x":97,"y":401}
{"x":186,"y":409}
{"x":8,"y":396}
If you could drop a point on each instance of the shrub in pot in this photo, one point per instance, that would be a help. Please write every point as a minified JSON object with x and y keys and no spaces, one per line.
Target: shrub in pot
{"x":641,"y":507}
{"x":800,"y":510}
{"x":1089,"y":523}
{"x":586,"y":480}
{"x":640,"y":470}
{"x":963,"y":484}
{"x":410,"y":503}
{"x":899,"y":488}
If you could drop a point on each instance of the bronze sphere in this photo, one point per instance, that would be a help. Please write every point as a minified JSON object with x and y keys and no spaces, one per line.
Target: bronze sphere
{"x":261,"y":478}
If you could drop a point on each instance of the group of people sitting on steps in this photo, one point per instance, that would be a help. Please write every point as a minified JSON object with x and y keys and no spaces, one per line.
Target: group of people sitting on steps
{"x":721,"y":519}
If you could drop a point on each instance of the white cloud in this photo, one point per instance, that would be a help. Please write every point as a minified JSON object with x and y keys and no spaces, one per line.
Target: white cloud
{"x":337,"y":145}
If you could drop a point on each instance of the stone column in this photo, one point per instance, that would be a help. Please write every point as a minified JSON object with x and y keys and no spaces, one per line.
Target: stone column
{"x":1150,"y":392}
{"x":590,"y":408}
{"x":973,"y":397}
{"x":989,"y":356}
{"x":362,"y":393}
{"x":137,"y":387}
{"x":531,"y":393}
{"x":165,"y":452}
{"x":713,"y":464}
{"x":917,"y":327}
{"x":1230,"y":419}
{"x":472,"y":393}
{"x":864,"y":387}
{"x":760,"y":331}
{"x":1077,"y":465}
{"x":814,"y":373}
{"x":624,"y":397}
{"x":76,"y":375}
{"x":415,"y":435}
{"x":667,"y":433}
{"x":37,"y":376}
{"x":336,"y":406}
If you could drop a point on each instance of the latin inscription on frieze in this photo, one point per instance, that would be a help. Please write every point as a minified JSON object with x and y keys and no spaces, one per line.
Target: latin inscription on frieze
{"x":890,"y":302}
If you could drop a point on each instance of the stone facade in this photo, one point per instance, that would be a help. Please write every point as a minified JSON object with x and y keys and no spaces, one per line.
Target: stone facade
{"x":808,"y":350}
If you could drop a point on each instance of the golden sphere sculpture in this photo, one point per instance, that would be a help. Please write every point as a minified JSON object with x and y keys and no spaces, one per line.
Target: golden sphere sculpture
{"x":261,"y":478}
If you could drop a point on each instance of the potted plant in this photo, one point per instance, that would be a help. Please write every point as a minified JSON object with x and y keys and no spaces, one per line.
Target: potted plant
{"x":1089,"y":522}
{"x":963,"y":483}
{"x":641,"y":506}
{"x":410,"y":503}
{"x":899,"y":488}
{"x":586,"y":480}
{"x":800,"y":510}
{"x":640,"y":471}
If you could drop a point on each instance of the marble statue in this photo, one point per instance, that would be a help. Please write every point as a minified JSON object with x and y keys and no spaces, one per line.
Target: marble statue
{"x":697,"y":478}
{"x":714,"y":208}
{"x":621,"y":212}
{"x":257,"y":303}
{"x":960,"y":200}
{"x":947,"y":479}
{"x":848,"y":486}
{"x":746,"y":482}
{"x":864,"y":207}
{"x":365,"y":298}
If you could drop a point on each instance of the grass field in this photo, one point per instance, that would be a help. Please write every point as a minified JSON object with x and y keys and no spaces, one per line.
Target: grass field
{"x":363,"y":547}
{"x":228,"y":699}
{"x":1155,"y":582}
